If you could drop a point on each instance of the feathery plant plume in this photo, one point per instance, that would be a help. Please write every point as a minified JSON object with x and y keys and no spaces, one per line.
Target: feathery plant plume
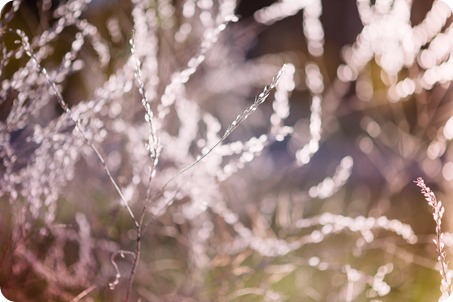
{"x":29,"y":51}
{"x":438,"y":213}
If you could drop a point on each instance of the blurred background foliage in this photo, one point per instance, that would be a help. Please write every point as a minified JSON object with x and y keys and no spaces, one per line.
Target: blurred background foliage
{"x":389,"y":142}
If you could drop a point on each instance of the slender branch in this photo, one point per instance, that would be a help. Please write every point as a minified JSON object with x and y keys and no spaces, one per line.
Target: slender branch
{"x":84,"y":293}
{"x":138,"y":246}
{"x":239,"y":119}
{"x":154,"y":151}
{"x":137,"y":254}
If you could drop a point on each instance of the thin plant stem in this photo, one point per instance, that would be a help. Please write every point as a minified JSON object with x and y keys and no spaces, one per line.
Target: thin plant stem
{"x":438,"y":212}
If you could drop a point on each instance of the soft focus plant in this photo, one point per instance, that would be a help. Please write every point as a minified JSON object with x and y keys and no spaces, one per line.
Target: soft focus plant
{"x":145,"y":155}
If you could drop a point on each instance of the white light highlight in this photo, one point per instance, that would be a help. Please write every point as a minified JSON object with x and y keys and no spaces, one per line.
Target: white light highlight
{"x":2,"y":298}
{"x":3,"y":3}
{"x":447,"y":171}
{"x":449,"y":3}
{"x":448,"y":129}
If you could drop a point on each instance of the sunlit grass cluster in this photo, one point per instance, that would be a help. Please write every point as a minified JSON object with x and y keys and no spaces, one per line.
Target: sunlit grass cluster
{"x":156,"y":150}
